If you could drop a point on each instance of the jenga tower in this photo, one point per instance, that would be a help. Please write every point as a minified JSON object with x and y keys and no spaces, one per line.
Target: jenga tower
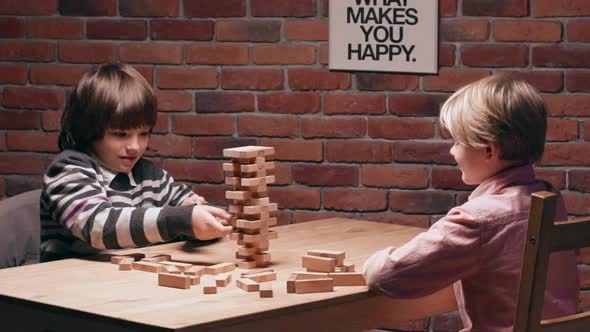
{"x":249,"y":202}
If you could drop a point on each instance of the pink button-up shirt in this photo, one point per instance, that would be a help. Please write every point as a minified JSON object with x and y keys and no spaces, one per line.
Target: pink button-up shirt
{"x":478,"y":246}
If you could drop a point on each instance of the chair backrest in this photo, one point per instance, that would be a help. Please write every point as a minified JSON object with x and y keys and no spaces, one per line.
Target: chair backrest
{"x":20,"y":229}
{"x":543,"y":237}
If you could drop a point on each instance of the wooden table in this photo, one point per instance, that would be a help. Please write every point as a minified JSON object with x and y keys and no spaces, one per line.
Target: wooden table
{"x":84,"y":295}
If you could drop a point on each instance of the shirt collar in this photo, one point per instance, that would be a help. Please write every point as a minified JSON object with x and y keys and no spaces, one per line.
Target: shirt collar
{"x":109,"y":175}
{"x":515,"y":175}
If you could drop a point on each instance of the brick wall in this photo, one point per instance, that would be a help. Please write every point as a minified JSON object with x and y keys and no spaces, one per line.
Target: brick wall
{"x":236,"y":72}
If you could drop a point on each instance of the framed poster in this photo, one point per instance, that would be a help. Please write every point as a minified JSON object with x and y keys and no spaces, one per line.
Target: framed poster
{"x":384,"y":35}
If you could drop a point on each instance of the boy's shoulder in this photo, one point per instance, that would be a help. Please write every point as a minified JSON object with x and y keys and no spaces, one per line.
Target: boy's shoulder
{"x":147,"y":170}
{"x":72,"y":157}
{"x":500,"y":207}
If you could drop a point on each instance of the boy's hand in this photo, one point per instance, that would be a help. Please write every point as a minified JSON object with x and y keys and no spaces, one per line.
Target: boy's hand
{"x":210,"y":222}
{"x":194,"y":200}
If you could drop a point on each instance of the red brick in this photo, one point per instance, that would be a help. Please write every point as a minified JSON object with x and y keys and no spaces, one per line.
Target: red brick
{"x":187,"y":78}
{"x":325,"y":5}
{"x":567,"y":105}
{"x":181,"y":29}
{"x":562,"y":130}
{"x":170,"y":146}
{"x":249,"y":31}
{"x":55,"y":28}
{"x":57,"y":74}
{"x":354,"y":104}
{"x":28,"y":7}
{"x":579,"y":180}
{"x":586,"y":130}
{"x":2,"y":183}
{"x":252,"y":79}
{"x":88,"y":7}
{"x":25,"y":97}
{"x":284,"y":54}
{"x":577,"y":204}
{"x":392,"y":128}
{"x":212,"y":147}
{"x":333,"y":127}
{"x":27,"y":51}
{"x":283,"y":173}
{"x":295,"y":197}
{"x":305,"y":216}
{"x":427,"y":201}
{"x":85,"y":52}
{"x":31,"y":141}
{"x":308,"y":30}
{"x":527,"y":31}
{"x":423,"y":152}
{"x":394,"y":176}
{"x":355,"y":199}
{"x":583,"y":256}
{"x":217,"y":54}
{"x":448,"y":178}
{"x":446,"y":55}
{"x":416,"y":104}
{"x":11,"y":27}
{"x":465,"y":30}
{"x":208,"y":8}
{"x":20,"y":119}
{"x":563,"y":154}
{"x":449,"y":80}
{"x":515,"y":8}
{"x":578,"y":31}
{"x":191,"y":170}
{"x":147,"y":72}
{"x":578,"y":81}
{"x":50,"y":121}
{"x":151,"y":53}
{"x":324,"y":53}
{"x":584,"y":274}
{"x":13,"y":73}
{"x":119,"y":29}
{"x":561,"y":57}
{"x":549,"y":8}
{"x":326,"y":175}
{"x":287,"y":102}
{"x":287,"y":8}
{"x":358,"y":151}
{"x":584,"y":301}
{"x":203,"y":125}
{"x":161,"y":126}
{"x":272,"y":126}
{"x":214,"y":194}
{"x":174,"y":101}
{"x":218,"y":102}
{"x":495,"y":55}
{"x":555,"y":177}
{"x":544,"y":81}
{"x":386,"y":82}
{"x":317,"y":79}
{"x":447,"y":8}
{"x":19,"y":163}
{"x":296,"y":150}
{"x":148,"y":8}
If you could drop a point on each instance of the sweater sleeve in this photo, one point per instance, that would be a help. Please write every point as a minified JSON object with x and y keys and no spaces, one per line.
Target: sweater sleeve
{"x":78,"y":201}
{"x":178,"y":191}
{"x":435,"y":259}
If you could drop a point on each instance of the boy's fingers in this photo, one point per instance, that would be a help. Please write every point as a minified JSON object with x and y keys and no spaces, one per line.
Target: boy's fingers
{"x":218,"y":212}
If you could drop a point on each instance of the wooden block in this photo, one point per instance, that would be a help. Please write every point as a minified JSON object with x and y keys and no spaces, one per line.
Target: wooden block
{"x":346,"y":267}
{"x":291,"y":284}
{"x":260,"y":201}
{"x":220,"y":268}
{"x":260,"y":246}
{"x":257,"y":209}
{"x":254,"y":182}
{"x":248,"y":285}
{"x":247,"y":251}
{"x":262,"y":259}
{"x":348,"y":279}
{"x":265,"y":290}
{"x":195,"y":271}
{"x":233,"y":168}
{"x":126,"y":263}
{"x":235,"y":208}
{"x":134,"y":256}
{"x":195,"y":280}
{"x":223,"y":280}
{"x":243,"y":274}
{"x":232,"y":180}
{"x":250,"y":224}
{"x":158,"y":258}
{"x":337,"y":255}
{"x":248,"y":152}
{"x":148,"y":267}
{"x":171,"y":269}
{"x":318,"y":264}
{"x":209,"y":287}
{"x":309,"y":275}
{"x":236,"y":236}
{"x":174,"y":280}
{"x":246,"y":264}
{"x":272,"y":222}
{"x":181,"y":266}
{"x":262,"y":276}
{"x":314,"y":285}
{"x":259,"y":166}
{"x":238,"y":195}
{"x":254,"y":238}
{"x":272,"y":235}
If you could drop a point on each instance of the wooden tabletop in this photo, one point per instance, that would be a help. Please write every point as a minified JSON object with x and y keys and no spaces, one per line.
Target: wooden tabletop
{"x":88,"y":295}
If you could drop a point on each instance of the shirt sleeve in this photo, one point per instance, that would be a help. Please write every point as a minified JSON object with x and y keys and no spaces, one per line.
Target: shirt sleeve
{"x":78,"y":201}
{"x":435,"y":259}
{"x":179,"y":191}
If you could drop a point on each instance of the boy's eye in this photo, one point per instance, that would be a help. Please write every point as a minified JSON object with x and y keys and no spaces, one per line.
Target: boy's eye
{"x":145,"y":133}
{"x":119,"y":134}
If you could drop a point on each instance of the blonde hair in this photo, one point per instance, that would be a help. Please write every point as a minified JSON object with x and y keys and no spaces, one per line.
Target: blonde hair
{"x":500,"y":109}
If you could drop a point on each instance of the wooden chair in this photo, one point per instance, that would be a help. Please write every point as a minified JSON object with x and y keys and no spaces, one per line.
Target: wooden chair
{"x":543,"y":237}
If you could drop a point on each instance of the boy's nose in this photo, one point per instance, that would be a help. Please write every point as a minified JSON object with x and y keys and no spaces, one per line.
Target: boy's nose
{"x":132,"y":145}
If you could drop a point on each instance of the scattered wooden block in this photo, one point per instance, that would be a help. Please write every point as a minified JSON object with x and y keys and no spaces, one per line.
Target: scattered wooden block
{"x":250,"y":151}
{"x":348,"y":279}
{"x":126,"y":263}
{"x":256,"y":272}
{"x":246,"y":264}
{"x":314,"y":285}
{"x":337,"y":255}
{"x":147,"y":267}
{"x":220,"y":268}
{"x":318,"y":264}
{"x":262,"y":276}
{"x":195,"y":271}
{"x":309,"y":275}
{"x":171,"y":269}
{"x":265,"y":290}
{"x":174,"y":280}
{"x":195,"y":280}
{"x":247,"y":285}
{"x":347,"y":267}
{"x":181,"y":266}
{"x":291,"y":284}
{"x":223,"y":280}
{"x":134,"y":256}
{"x":209,"y":287}
{"x":158,"y":258}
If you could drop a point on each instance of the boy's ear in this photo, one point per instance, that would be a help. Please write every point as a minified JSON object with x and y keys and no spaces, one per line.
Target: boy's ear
{"x":492,"y":150}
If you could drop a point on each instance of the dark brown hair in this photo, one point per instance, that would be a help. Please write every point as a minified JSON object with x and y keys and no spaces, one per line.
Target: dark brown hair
{"x":111,"y":96}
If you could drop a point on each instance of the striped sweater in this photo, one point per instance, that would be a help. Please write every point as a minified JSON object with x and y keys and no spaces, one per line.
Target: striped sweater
{"x":86,"y":208}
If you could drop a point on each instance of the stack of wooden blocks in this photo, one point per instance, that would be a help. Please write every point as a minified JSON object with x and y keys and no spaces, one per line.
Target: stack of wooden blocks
{"x":249,"y":202}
